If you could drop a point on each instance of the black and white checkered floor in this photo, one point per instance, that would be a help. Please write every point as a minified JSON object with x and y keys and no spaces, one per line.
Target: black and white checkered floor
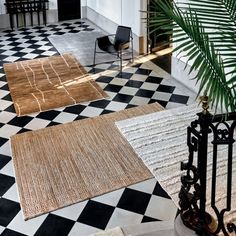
{"x":139,"y":84}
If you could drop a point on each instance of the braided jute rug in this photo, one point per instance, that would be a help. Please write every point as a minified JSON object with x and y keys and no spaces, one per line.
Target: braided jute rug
{"x":160,"y":140}
{"x":64,"y":164}
{"x":45,"y":83}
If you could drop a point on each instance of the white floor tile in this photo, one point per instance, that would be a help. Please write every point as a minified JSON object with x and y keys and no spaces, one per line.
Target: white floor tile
{"x":3,"y":93}
{"x":48,"y":53}
{"x":119,"y":81}
{"x":5,"y":149}
{"x":12,"y":194}
{"x":4,"y":104}
{"x":102,"y":85}
{"x":122,"y":217}
{"x":8,"y":130}
{"x":111,"y":95}
{"x":149,"y":86}
{"x":139,"y":77}
{"x":161,"y":208}
{"x":11,"y":58}
{"x":116,"y":106}
{"x":71,"y":212}
{"x":30,"y":56}
{"x":8,"y":52}
{"x":129,"y":90}
{"x":65,"y":117}
{"x":82,"y":230}
{"x":6,"y":116}
{"x":8,"y":169}
{"x":111,"y":198}
{"x":28,"y":227}
{"x":1,"y":229}
{"x":161,"y":96}
{"x":139,"y":101}
{"x":91,"y":112}
{"x":145,"y":186}
{"x":37,"y":123}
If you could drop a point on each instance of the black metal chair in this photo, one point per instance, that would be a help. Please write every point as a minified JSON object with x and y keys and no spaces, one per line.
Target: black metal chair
{"x":122,"y":40}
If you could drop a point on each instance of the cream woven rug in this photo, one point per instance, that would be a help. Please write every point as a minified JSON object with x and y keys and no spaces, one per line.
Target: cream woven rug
{"x":160,"y":138}
{"x":65,"y":164}
{"x":47,"y":83}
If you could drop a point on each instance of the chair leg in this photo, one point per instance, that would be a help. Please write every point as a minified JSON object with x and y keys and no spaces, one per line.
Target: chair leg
{"x":121,"y":61}
{"x":94,"y":55}
{"x":132,"y":49}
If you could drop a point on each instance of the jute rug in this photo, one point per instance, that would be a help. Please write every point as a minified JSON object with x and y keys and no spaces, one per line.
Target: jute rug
{"x":160,"y":140}
{"x":46,"y":83}
{"x":65,"y":164}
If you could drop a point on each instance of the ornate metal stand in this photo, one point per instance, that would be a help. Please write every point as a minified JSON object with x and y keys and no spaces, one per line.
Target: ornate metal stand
{"x":193,"y":191}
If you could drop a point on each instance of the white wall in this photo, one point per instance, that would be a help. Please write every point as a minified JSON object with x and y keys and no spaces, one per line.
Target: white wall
{"x":2,"y":7}
{"x":108,"y":14}
{"x":121,"y":12}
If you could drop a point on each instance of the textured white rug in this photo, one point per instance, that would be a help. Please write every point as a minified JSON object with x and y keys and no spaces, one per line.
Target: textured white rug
{"x":160,"y":140}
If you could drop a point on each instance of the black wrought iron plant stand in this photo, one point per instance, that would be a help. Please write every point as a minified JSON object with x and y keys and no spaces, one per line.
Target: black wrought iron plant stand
{"x":194,"y":182}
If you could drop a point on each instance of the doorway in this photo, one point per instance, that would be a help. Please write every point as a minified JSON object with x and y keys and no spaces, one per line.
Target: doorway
{"x":157,"y":39}
{"x":69,"y":9}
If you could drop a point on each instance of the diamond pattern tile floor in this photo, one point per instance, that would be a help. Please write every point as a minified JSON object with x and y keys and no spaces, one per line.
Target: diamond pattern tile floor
{"x":136,"y":85}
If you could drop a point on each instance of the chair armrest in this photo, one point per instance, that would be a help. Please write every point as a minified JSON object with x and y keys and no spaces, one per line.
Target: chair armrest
{"x":104,"y":37}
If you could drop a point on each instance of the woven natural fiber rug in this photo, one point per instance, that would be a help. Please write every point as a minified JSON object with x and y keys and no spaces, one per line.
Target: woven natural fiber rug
{"x":46,"y":83}
{"x":160,"y":140}
{"x":65,"y":164}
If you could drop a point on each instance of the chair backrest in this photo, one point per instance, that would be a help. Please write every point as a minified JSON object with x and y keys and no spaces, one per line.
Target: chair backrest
{"x":123,"y":34}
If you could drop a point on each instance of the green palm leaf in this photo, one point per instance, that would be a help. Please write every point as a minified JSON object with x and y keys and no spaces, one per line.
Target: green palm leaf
{"x":204,"y":32}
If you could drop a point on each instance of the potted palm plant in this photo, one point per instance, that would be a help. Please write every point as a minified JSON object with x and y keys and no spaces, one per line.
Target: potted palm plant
{"x":203,"y":32}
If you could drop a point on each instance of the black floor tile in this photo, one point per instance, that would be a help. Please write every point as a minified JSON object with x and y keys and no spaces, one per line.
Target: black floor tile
{"x":3,"y":141}
{"x":104,"y":79}
{"x":4,"y":160}
{"x":165,"y":88}
{"x":9,"y":232}
{"x":55,"y":225}
{"x":5,"y":87}
{"x":153,"y":79}
{"x":134,"y":83}
{"x":179,"y":98}
{"x":162,"y":103}
{"x":144,"y":93}
{"x":148,"y":219}
{"x":79,"y":117}
{"x":159,"y":191}
{"x":48,"y":115}
{"x":100,"y":104}
{"x":10,"y":109}
{"x":164,"y":62}
{"x":141,"y":71}
{"x":7,"y":97}
{"x":96,"y":214}
{"x":130,"y":106}
{"x":113,"y":88}
{"x":20,"y":121}
{"x":124,"y":75}
{"x":106,"y":112}
{"x":23,"y":130}
{"x":5,"y":183}
{"x":52,"y":123}
{"x":133,"y":200}
{"x":9,"y":210}
{"x":122,"y":98}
